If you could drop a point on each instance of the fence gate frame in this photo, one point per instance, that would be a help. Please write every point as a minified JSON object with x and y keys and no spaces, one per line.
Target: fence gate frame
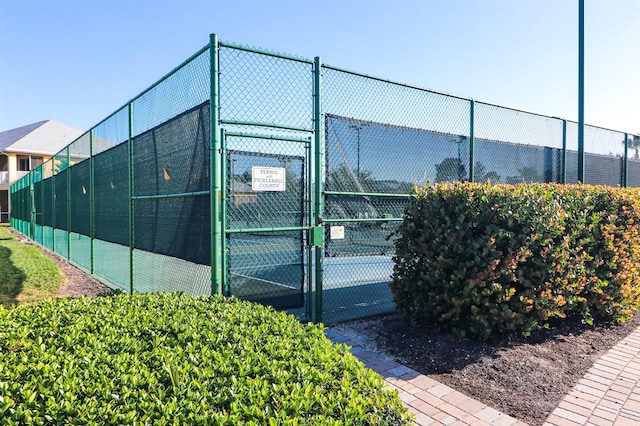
{"x":312,"y":228}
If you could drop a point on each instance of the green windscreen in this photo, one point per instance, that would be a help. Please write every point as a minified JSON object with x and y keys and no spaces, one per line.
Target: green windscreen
{"x":111,"y":198}
{"x":171,"y":163}
{"x":81,"y":198}
{"x":60,"y":199}
{"x":47,"y":197}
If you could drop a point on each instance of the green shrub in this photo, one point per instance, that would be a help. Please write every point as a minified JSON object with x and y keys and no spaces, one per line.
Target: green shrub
{"x":177,"y":359}
{"x":482,"y":260}
{"x":604,"y":225}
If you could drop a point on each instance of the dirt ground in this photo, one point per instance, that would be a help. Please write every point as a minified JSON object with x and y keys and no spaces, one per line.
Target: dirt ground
{"x":77,"y":283}
{"x":524,"y":378}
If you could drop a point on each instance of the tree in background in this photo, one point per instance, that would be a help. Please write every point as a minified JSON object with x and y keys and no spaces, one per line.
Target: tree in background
{"x":481,"y":174}
{"x":526,"y":175}
{"x":634,"y":143}
{"x":346,"y":179}
{"x":450,"y":169}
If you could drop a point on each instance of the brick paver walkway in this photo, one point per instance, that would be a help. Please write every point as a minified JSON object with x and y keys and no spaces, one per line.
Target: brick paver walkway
{"x":431,"y":402}
{"x":609,"y":393}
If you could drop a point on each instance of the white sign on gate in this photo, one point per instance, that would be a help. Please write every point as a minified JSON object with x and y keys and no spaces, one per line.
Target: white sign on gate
{"x":336,"y":232}
{"x":268,"y":178}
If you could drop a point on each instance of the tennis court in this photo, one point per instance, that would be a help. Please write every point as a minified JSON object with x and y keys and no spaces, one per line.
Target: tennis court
{"x":274,"y":270}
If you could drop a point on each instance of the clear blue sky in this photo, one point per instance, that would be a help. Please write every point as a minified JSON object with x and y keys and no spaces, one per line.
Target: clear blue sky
{"x":77,"y":61}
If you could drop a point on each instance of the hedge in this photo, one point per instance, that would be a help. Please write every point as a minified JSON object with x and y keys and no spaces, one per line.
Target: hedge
{"x":482,"y":260}
{"x":176,"y":359}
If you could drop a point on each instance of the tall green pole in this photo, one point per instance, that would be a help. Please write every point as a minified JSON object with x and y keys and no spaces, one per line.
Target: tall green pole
{"x":215,"y":172}
{"x":132,"y":237}
{"x":471,"y":141}
{"x":581,"y":91}
{"x":625,"y":164}
{"x":318,"y":201}
{"x":564,"y":152}
{"x":68,"y":203}
{"x":92,"y":210}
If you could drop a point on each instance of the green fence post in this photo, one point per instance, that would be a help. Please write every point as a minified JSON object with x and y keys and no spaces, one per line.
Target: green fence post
{"x":14,"y":211}
{"x":625,"y":164}
{"x":215,"y":172}
{"x":53,"y":206}
{"x":311,"y":222}
{"x":223,"y":214}
{"x":12,"y":207}
{"x":471,"y":140}
{"x":319,"y":204}
{"x":32,"y":202}
{"x":12,"y":222}
{"x":564,"y":151}
{"x":15,"y":223}
{"x":43,"y":204}
{"x":10,"y":203}
{"x":92,"y":224}
{"x":131,"y":204}
{"x":68,"y":203}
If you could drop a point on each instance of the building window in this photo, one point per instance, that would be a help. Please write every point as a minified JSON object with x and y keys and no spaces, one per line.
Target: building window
{"x":4,"y":206}
{"x":23,"y":163}
{"x":35,"y":162}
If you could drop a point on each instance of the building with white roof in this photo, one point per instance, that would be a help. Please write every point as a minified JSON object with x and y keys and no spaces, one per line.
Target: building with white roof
{"x":24,"y":148}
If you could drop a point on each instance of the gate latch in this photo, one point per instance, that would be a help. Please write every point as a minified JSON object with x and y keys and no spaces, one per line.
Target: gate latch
{"x":316,"y":236}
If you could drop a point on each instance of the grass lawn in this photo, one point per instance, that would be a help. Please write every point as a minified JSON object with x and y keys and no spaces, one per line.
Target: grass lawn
{"x":26,"y":276}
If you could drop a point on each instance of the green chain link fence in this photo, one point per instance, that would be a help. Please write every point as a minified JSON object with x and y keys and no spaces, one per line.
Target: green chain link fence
{"x":279,"y":179}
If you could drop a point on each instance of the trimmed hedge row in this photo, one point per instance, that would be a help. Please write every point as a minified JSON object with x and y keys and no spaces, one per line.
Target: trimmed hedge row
{"x":176,"y":359}
{"x":482,"y":260}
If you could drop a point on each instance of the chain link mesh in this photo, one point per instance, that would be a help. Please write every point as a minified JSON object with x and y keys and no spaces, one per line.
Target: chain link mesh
{"x":604,"y":156}
{"x":267,"y":267}
{"x":257,"y":87}
{"x":633,"y":164}
{"x":182,"y":90}
{"x":516,"y":147}
{"x":156,"y":272}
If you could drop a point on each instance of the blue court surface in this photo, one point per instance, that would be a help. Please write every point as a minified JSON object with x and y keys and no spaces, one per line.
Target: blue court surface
{"x":352,"y":287}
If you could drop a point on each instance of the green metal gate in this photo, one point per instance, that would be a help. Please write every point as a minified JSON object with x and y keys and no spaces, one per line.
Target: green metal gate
{"x":269,"y":152}
{"x":266,"y":203}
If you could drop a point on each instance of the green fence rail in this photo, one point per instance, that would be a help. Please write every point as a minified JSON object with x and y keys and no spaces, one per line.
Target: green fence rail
{"x":279,"y":179}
